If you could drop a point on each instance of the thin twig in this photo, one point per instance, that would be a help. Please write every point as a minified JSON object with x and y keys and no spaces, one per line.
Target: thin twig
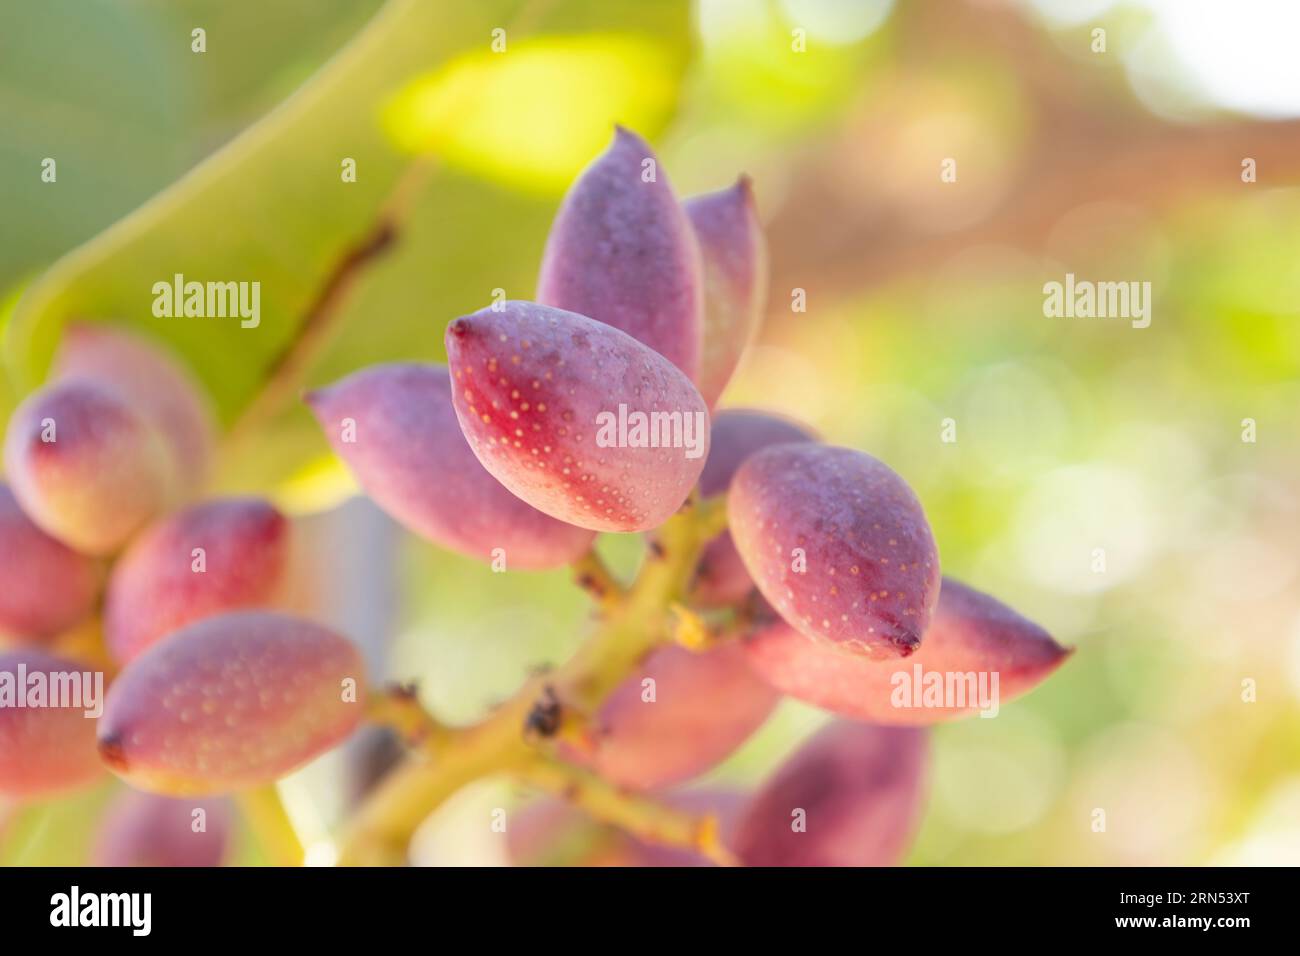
{"x":642,"y":817}
{"x":398,"y":708}
{"x":287,"y":371}
{"x":594,"y":576}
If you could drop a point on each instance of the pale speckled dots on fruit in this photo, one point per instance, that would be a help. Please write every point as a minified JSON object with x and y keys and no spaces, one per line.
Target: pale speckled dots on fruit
{"x":397,"y":429}
{"x":233,"y":701}
{"x":160,"y":584}
{"x":872,"y":570}
{"x":721,"y":577}
{"x":530,"y":384}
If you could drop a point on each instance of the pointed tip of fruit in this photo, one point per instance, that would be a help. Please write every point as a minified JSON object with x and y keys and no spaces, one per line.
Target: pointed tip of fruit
{"x":112,"y":753}
{"x":906,"y":643}
{"x":748,"y":197}
{"x":458,"y":328}
{"x":1052,"y":652}
{"x":313,"y":397}
{"x":624,"y":135}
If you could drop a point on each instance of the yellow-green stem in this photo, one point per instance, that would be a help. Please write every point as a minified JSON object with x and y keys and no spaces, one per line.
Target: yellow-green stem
{"x":593,"y":576}
{"x":383,"y":825}
{"x":398,"y":708}
{"x":266,"y":817}
{"x":640,"y":816}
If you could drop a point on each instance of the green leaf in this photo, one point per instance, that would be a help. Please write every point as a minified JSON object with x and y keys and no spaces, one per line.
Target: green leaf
{"x":117,"y":143}
{"x":492,"y":113}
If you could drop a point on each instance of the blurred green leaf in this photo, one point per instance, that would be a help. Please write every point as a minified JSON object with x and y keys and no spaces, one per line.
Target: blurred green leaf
{"x":494,"y":114}
{"x":116,"y":143}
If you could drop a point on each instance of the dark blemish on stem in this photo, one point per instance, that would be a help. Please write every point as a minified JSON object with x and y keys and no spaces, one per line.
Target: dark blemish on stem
{"x":543,"y":719}
{"x":589,"y":584}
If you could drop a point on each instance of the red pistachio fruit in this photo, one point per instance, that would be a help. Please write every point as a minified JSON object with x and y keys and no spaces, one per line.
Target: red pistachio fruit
{"x":977,"y":654}
{"x":150,"y":379}
{"x":396,"y":428}
{"x":850,"y":796}
{"x":144,"y":829}
{"x":838,"y":544}
{"x":622,"y":251}
{"x":48,"y":587}
{"x":218,"y":556}
{"x":231,"y":702}
{"x":575,"y":417}
{"x":734,"y":255}
{"x":85,"y":465}
{"x":678,"y":715}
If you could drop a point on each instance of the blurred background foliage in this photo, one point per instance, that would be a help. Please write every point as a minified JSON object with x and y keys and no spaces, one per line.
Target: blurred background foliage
{"x":924,"y":303}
